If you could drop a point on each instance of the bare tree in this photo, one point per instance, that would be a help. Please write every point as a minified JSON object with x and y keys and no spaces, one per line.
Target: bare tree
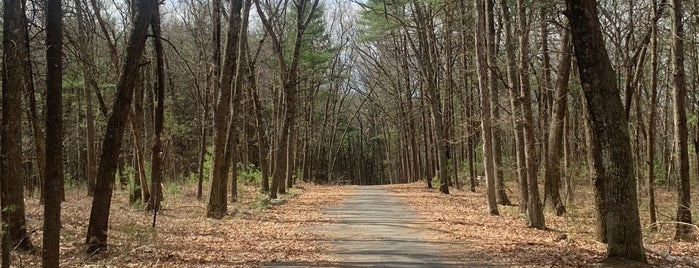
{"x":652,"y":114}
{"x":553,"y":157}
{"x":535,"y":213}
{"x":482,"y":65}
{"x":500,"y":193}
{"x":684,"y":214}
{"x":515,"y":104}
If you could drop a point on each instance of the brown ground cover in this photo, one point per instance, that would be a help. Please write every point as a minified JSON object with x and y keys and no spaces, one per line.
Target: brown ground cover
{"x":255,"y":232}
{"x":461,"y":222}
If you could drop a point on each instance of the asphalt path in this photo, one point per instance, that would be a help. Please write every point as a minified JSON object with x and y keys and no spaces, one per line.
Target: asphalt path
{"x":373,"y":228}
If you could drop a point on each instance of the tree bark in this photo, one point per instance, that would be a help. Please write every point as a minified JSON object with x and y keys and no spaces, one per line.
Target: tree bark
{"x":12,"y":182}
{"x":611,"y":145}
{"x":500,"y":190}
{"x":218,"y":205}
{"x":54,"y":135}
{"x":553,"y":174}
{"x":513,"y":82}
{"x":481,"y":69}
{"x":96,"y":238}
{"x":535,"y":214}
{"x":684,"y":213}
{"x":157,"y":149}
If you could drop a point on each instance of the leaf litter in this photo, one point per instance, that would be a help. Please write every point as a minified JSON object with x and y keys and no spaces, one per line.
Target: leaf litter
{"x":255,"y":232}
{"x":460,"y":222}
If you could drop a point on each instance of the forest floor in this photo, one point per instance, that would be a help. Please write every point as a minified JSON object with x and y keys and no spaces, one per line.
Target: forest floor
{"x":462,"y":218}
{"x":257,"y":232}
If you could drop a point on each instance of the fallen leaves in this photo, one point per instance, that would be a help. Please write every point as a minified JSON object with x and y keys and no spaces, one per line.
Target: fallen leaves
{"x":251,"y":235}
{"x":258,"y":233}
{"x":461,"y":218}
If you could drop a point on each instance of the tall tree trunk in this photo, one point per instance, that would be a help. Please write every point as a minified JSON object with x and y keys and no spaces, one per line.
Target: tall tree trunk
{"x":552,"y":174}
{"x":466,"y":104}
{"x":611,"y":144}
{"x":535,"y":214}
{"x":157,"y":154}
{"x":684,"y":213}
{"x":96,"y":238}
{"x":14,"y":228}
{"x":218,"y":205}
{"x":482,"y":65}
{"x":652,"y":114}
{"x":253,"y":94}
{"x":515,"y":103}
{"x":90,"y":87}
{"x":500,"y":190}
{"x":236,"y":123}
{"x":427,"y":61}
{"x":54,"y":134}
{"x":545,"y":94}
{"x":37,"y":131}
{"x":213,"y":79}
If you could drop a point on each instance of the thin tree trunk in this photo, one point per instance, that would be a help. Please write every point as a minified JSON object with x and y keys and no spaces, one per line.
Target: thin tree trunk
{"x":553,"y":159}
{"x":289,"y":75}
{"x":515,"y":103}
{"x":482,"y":65}
{"x":157,"y":154}
{"x":684,"y":213}
{"x":261,"y":137}
{"x":535,"y":214}
{"x":213,"y":78}
{"x":136,"y":118}
{"x":202,"y":152}
{"x":37,"y":131}
{"x":90,"y":87}
{"x":650,"y":139}
{"x":500,"y":190}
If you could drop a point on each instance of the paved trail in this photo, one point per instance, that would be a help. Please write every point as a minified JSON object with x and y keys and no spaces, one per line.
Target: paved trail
{"x":376,"y":229}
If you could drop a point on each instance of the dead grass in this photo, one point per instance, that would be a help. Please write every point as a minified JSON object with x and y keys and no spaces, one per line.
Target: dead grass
{"x":255,"y":232}
{"x":462,"y":218}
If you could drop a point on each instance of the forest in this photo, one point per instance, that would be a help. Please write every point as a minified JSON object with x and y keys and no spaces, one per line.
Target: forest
{"x":129,"y":127}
